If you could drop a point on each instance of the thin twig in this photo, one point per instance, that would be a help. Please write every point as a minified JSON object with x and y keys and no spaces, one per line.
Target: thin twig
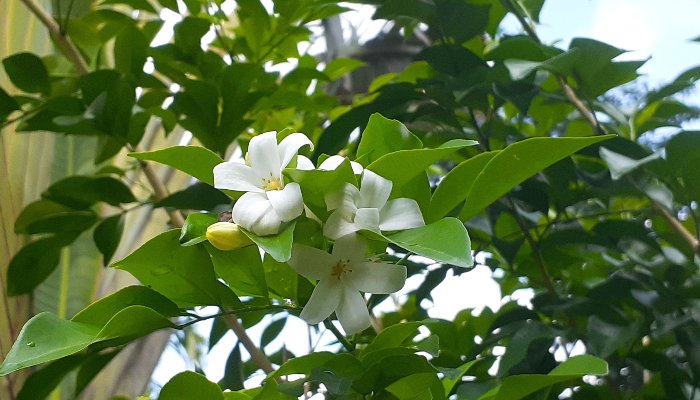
{"x":329,"y":325}
{"x":62,"y":41}
{"x":688,"y":237}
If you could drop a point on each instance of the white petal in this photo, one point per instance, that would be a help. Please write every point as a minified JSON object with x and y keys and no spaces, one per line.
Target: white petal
{"x":367,"y":218}
{"x":264,"y":156}
{"x":374,"y":191}
{"x":254,"y":212}
{"x":400,"y":214}
{"x":236,"y":176}
{"x":338,"y":225}
{"x":378,"y":278}
{"x":345,"y":199}
{"x":333,"y":162}
{"x":350,"y":247}
{"x":304,"y":164}
{"x":311,"y":262}
{"x":325,"y":298}
{"x":287,"y":202}
{"x":352,"y":311}
{"x":290,"y":145}
{"x":356,"y":167}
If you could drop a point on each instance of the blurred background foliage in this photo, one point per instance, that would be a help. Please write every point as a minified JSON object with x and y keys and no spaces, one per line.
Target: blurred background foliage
{"x":607,"y":238}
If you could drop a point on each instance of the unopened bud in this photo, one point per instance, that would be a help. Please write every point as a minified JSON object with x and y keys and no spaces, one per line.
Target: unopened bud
{"x":226,"y":236}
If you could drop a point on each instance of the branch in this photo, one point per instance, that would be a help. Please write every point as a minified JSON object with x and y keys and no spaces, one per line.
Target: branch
{"x":257,"y":355}
{"x":692,"y":241}
{"x":62,"y":41}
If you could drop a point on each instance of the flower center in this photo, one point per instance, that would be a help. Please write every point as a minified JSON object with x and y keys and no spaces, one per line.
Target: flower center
{"x":340,"y":269}
{"x":272,"y":184}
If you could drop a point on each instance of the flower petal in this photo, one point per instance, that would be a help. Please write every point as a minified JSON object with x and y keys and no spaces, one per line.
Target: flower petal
{"x":333,"y":162}
{"x":400,"y":214}
{"x":288,"y":203}
{"x":325,"y":298}
{"x":367,"y":218}
{"x":380,"y":278}
{"x":352,"y":311}
{"x":350,"y":247}
{"x":264,"y":156}
{"x":338,"y":225}
{"x":236,"y":176}
{"x":311,"y":262}
{"x":374,"y":191}
{"x":345,"y":199}
{"x":290,"y":145}
{"x":254,"y":212}
{"x":304,"y":164}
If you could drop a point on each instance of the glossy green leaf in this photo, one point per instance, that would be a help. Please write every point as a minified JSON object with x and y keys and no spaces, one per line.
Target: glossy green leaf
{"x":184,"y":275}
{"x":519,"y":386}
{"x":199,"y":196}
{"x":195,"y":228}
{"x":445,"y":241}
{"x":241,"y":269}
{"x":41,"y":383}
{"x":383,"y":136}
{"x":46,"y":216}
{"x":516,"y":163}
{"x":193,"y":160}
{"x":189,"y":385}
{"x":621,"y":165}
{"x":278,"y":246}
{"x":455,"y":186}
{"x":107,"y":236}
{"x":392,"y":336}
{"x":81,"y":192}
{"x":101,"y":311}
{"x":316,"y":183}
{"x":28,"y":73}
{"x":403,"y":165}
{"x":449,"y":383}
{"x":425,"y":385}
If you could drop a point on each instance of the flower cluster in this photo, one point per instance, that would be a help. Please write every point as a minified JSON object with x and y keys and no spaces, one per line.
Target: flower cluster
{"x":269,"y":202}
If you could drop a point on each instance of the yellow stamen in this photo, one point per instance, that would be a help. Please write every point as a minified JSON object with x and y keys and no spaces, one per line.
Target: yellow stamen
{"x":340,"y":269}
{"x":272,"y":184}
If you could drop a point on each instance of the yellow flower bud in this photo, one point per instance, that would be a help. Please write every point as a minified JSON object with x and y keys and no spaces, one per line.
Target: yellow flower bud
{"x":226,"y":236}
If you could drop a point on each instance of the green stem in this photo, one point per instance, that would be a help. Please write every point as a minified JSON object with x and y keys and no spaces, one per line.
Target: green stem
{"x":271,"y":307}
{"x":329,"y":325}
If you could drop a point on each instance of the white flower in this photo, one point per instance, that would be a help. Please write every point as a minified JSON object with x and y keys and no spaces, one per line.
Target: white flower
{"x":329,"y":164}
{"x":368,"y":208}
{"x":341,"y":277}
{"x":269,"y":201}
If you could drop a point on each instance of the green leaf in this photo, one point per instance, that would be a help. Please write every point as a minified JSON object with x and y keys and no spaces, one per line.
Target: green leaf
{"x":185,"y":275}
{"x":620,"y":165}
{"x":190,"y":385}
{"x":277,"y":246}
{"x":515,"y":164}
{"x":7,"y":105}
{"x":383,"y":136}
{"x":302,"y":365}
{"x":199,"y":196}
{"x":130,"y":51}
{"x":272,"y":331}
{"x":143,"y":5}
{"x":460,"y":20}
{"x":82,"y":192}
{"x":107,"y":236}
{"x":316,"y":183}
{"x":519,"y":386}
{"x":46,"y":216}
{"x":338,"y":67}
{"x":41,"y":383}
{"x":449,"y":383}
{"x":45,"y":338}
{"x":101,"y":311}
{"x":241,"y":269}
{"x":188,"y":34}
{"x":403,"y":165}
{"x":445,"y":241}
{"x":392,"y":336}
{"x":425,"y":385}
{"x":195,"y":228}
{"x":32,"y":264}
{"x":233,"y":371}
{"x":193,"y":160}
{"x":28,"y":73}
{"x":455,"y":186}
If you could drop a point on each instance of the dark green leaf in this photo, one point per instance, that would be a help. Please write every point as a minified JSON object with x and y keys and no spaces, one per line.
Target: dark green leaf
{"x":46,"y":216}
{"x":81,"y":192}
{"x":32,"y":264}
{"x":107,"y":236}
{"x":189,"y":33}
{"x":392,"y":336}
{"x":461,"y":20}
{"x":7,"y":105}
{"x":101,"y":311}
{"x":199,"y":196}
{"x":418,"y":386}
{"x":130,"y":50}
{"x":233,"y":371}
{"x":42,"y":382}
{"x":272,"y":331}
{"x":28,"y":73}
{"x":303,"y":365}
{"x":196,"y":161}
